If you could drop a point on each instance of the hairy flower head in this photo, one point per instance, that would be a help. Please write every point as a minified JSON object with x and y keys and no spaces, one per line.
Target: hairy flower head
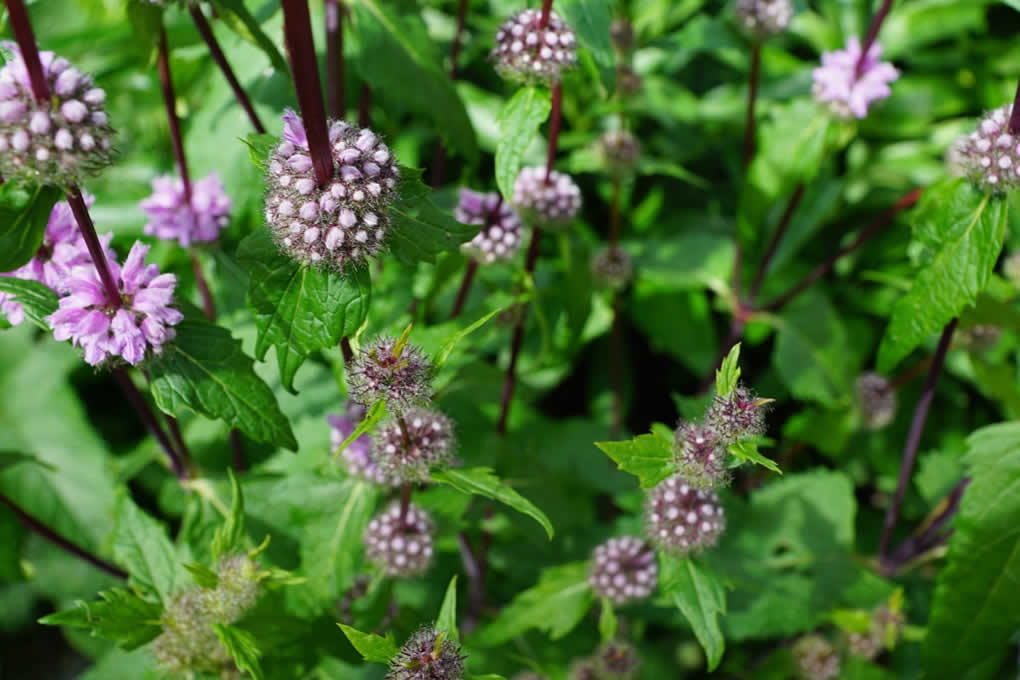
{"x":681,"y":519}
{"x":409,"y":446}
{"x":499,"y":233}
{"x":527,"y":52}
{"x":617,"y":660}
{"x":402,"y":376}
{"x":816,"y":659}
{"x":990,"y":156}
{"x":623,"y":570}
{"x":549,"y":204}
{"x":763,"y":19}
{"x":701,"y":455}
{"x":739,"y":415}
{"x":402,"y":546}
{"x":427,"y":655}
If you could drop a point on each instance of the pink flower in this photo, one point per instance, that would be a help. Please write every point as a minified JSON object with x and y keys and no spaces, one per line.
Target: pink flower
{"x":294,"y":129}
{"x":171,"y":216}
{"x":847,"y":93}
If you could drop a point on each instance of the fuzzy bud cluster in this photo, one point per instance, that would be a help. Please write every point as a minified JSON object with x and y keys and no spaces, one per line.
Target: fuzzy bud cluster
{"x":612,"y":267}
{"x":701,"y":455}
{"x":427,"y":655}
{"x":617,"y":661}
{"x":528,"y":52}
{"x":681,"y":519}
{"x":58,"y":141}
{"x":339,"y":224}
{"x":876,"y":400}
{"x":763,"y":19}
{"x":738,"y":415}
{"x":172,"y":216}
{"x":357,"y":456}
{"x":846,"y":91}
{"x":990,"y":156}
{"x":499,"y":236}
{"x":407,"y":447}
{"x":816,"y":659}
{"x":620,"y":151}
{"x":402,"y":546}
{"x":549,"y":204}
{"x":401,"y":376}
{"x":886,"y":626}
{"x":623,"y":570}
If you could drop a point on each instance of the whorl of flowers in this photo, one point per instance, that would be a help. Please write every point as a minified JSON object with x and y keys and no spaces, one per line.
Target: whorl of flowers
{"x":620,"y":151}
{"x":623,"y":570}
{"x":59,"y":141}
{"x":990,"y":156}
{"x":402,"y":376}
{"x":407,"y":447}
{"x":763,"y":19}
{"x":499,"y":237}
{"x":358,"y":454}
{"x":816,"y":659}
{"x":427,"y":655}
{"x":848,"y":93}
{"x":617,"y":661}
{"x":529,"y":53}
{"x":738,"y":415}
{"x":340,"y":224}
{"x":876,"y":400}
{"x":132,"y":328}
{"x":700,"y":455}
{"x":551,"y":204}
{"x":681,"y":519}
{"x":612,"y":267}
{"x":172,"y":217}
{"x":401,"y":546}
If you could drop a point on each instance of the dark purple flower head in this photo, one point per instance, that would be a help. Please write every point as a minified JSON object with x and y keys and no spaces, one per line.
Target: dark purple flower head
{"x":816,"y":659}
{"x":343,"y":223}
{"x":427,"y":655}
{"x":876,"y":400}
{"x":990,"y":156}
{"x":624,"y":570}
{"x":358,"y":455}
{"x":499,"y":237}
{"x":551,"y":204}
{"x":763,"y":19}
{"x":738,"y":415}
{"x":618,"y":661}
{"x":527,"y":53}
{"x":401,"y":546}
{"x":171,"y":216}
{"x":57,"y":142}
{"x":136,"y":328}
{"x":620,"y":151}
{"x":407,"y":456}
{"x":403,"y":380}
{"x":612,"y":267}
{"x":681,"y":519}
{"x":847,"y":92}
{"x":701,"y":455}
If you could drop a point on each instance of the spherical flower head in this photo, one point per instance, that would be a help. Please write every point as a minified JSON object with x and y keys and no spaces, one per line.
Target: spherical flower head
{"x":700,"y":455}
{"x":59,"y":141}
{"x":382,"y":371}
{"x":612,"y":268}
{"x":499,"y":236}
{"x":623,"y":570}
{"x":621,"y":34}
{"x":620,"y":151}
{"x":990,"y":156}
{"x":681,"y":519}
{"x":529,"y":53}
{"x":848,"y":93}
{"x":357,"y":456}
{"x":409,"y":446}
{"x":737,"y":416}
{"x":876,"y":400}
{"x":130,"y":329}
{"x":402,"y":546}
{"x":617,"y":661}
{"x":427,"y":655}
{"x":762,"y":19}
{"x":549,"y":204}
{"x":816,"y":659}
{"x":172,"y":216}
{"x":343,"y":223}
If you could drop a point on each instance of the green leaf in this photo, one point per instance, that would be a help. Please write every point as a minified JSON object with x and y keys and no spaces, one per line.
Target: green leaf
{"x":973,"y":615}
{"x":24,"y":214}
{"x":229,"y":538}
{"x":119,"y":615}
{"x":747,"y":451}
{"x":728,"y":373}
{"x":698,"y":593}
{"x":37,"y":300}
{"x":331,"y":546}
{"x":299,"y":309}
{"x":419,"y":229}
{"x":590,"y":19}
{"x":259,"y":147}
{"x":203,"y":576}
{"x":237,"y":17}
{"x":963,"y":231}
{"x":648,"y":457}
{"x":452,"y":341}
{"x":140,"y":544}
{"x":146,"y":22}
{"x":374,"y":414}
{"x":242,"y":647}
{"x":447,"y":619}
{"x":206,"y":371}
{"x":372,"y":647}
{"x":518,"y":123}
{"x":482,"y":482}
{"x":555,"y":605}
{"x":607,"y":621}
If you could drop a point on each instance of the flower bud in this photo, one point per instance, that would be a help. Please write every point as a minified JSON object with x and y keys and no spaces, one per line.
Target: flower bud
{"x":402,"y":546}
{"x":763,"y":19}
{"x":427,"y":655}
{"x":991,"y":154}
{"x":846,"y":91}
{"x":700,"y":455}
{"x":620,"y":151}
{"x":739,"y":415}
{"x":876,"y":400}
{"x":681,"y":519}
{"x":409,"y":446}
{"x":623,"y":570}
{"x":552,"y":204}
{"x":529,"y":53}
{"x":816,"y":659}
{"x":377,"y":373}
{"x":612,"y":267}
{"x":617,"y":661}
{"x":499,"y":236}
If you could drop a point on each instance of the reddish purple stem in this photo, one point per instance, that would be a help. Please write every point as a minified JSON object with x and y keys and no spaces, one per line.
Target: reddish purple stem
{"x":166,"y":82}
{"x":25,"y":37}
{"x":869,"y":40}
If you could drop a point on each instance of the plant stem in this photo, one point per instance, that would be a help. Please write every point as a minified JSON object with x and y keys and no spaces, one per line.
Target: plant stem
{"x":465,"y":287}
{"x":21,"y":25}
{"x":365,"y":106}
{"x":405,"y":501}
{"x":33,"y":524}
{"x":178,"y":439}
{"x":95,"y":248}
{"x":304,"y":67}
{"x":929,"y":535}
{"x":911,"y":373}
{"x":237,"y":451}
{"x":752,"y":98}
{"x":554,"y":129}
{"x":517,"y":339}
{"x":821,"y":270}
{"x":614,"y":215}
{"x":170,"y":101}
{"x":345,"y":349}
{"x":335,"y":74}
{"x":208,"y":303}
{"x":914,"y":437}
{"x":1014,"y":116}
{"x":474,"y":575}
{"x":205,"y":30}
{"x":148,"y":418}
{"x":543,"y":20}
{"x":616,"y":359}
{"x":876,"y":24}
{"x":439,"y":160}
{"x":770,"y":252}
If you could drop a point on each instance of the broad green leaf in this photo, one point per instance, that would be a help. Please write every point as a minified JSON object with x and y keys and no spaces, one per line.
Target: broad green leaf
{"x":242,"y":647}
{"x":372,"y":647}
{"x":237,"y":17}
{"x":590,"y":21}
{"x":24,"y":213}
{"x":229,"y":538}
{"x":447,"y":619}
{"x":482,"y":482}
{"x":206,"y":371}
{"x":607,"y":620}
{"x":260,"y":146}
{"x":119,"y":615}
{"x":973,"y":615}
{"x":963,"y":231}
{"x":146,"y":21}
{"x":420,"y":230}
{"x":36,"y":299}
{"x":554,"y":605}
{"x":747,"y":451}
{"x":140,"y":544}
{"x":728,"y":374}
{"x":331,"y":546}
{"x":699,"y":594}
{"x":299,"y":309}
{"x":12,"y":458}
{"x":648,"y":457}
{"x":518,"y":123}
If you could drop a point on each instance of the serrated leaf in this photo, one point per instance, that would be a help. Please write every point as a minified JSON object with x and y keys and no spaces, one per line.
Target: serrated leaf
{"x":229,"y":538}
{"x":237,"y":17}
{"x":963,"y":230}
{"x":589,"y":20}
{"x":446,"y":621}
{"x":242,"y":647}
{"x":482,"y":482}
{"x":973,"y":615}
{"x":119,"y":615}
{"x":24,"y":214}
{"x":698,"y":593}
{"x":372,"y":647}
{"x":206,"y":371}
{"x":554,"y":605}
{"x":299,"y":309}
{"x":331,"y":546}
{"x":140,"y":544}
{"x":518,"y":124}
{"x":648,"y":457}
{"x":607,"y":620}
{"x":260,"y":145}
{"x":420,"y":230}
{"x":37,"y":300}
{"x":747,"y":451}
{"x":728,"y":374}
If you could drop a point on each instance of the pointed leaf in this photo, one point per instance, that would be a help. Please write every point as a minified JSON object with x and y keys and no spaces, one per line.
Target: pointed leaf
{"x":747,"y":451}
{"x":24,"y":214}
{"x":119,"y":615}
{"x":728,"y":374}
{"x":648,"y":457}
{"x":140,"y":544}
{"x":372,"y":647}
{"x":237,"y":17}
{"x":229,"y":538}
{"x":242,"y":647}
{"x":699,"y":594}
{"x":420,"y":230}
{"x":36,"y":299}
{"x":518,"y":124}
{"x":447,"y":619}
{"x":482,"y":482}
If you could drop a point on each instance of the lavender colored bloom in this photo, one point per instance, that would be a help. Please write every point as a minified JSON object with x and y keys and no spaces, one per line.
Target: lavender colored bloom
{"x":847,"y":92}
{"x":358,"y":454}
{"x":138,"y":324}
{"x":171,"y":216}
{"x":499,"y":236}
{"x":548,"y":204}
{"x":530,"y":53}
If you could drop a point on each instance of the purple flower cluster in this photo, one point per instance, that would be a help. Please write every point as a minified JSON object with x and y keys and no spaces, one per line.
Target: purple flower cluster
{"x":527,"y":52}
{"x":700,"y":455}
{"x":402,"y":379}
{"x":499,"y":237}
{"x":407,"y":447}
{"x":763,"y":18}
{"x":358,"y":455}
{"x":172,"y":216}
{"x":427,"y":655}
{"x":847,"y":91}
{"x":876,"y":400}
{"x":402,"y":546}
{"x":624,"y":570}
{"x":990,"y":156}
{"x":549,"y":204}
{"x":681,"y":519}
